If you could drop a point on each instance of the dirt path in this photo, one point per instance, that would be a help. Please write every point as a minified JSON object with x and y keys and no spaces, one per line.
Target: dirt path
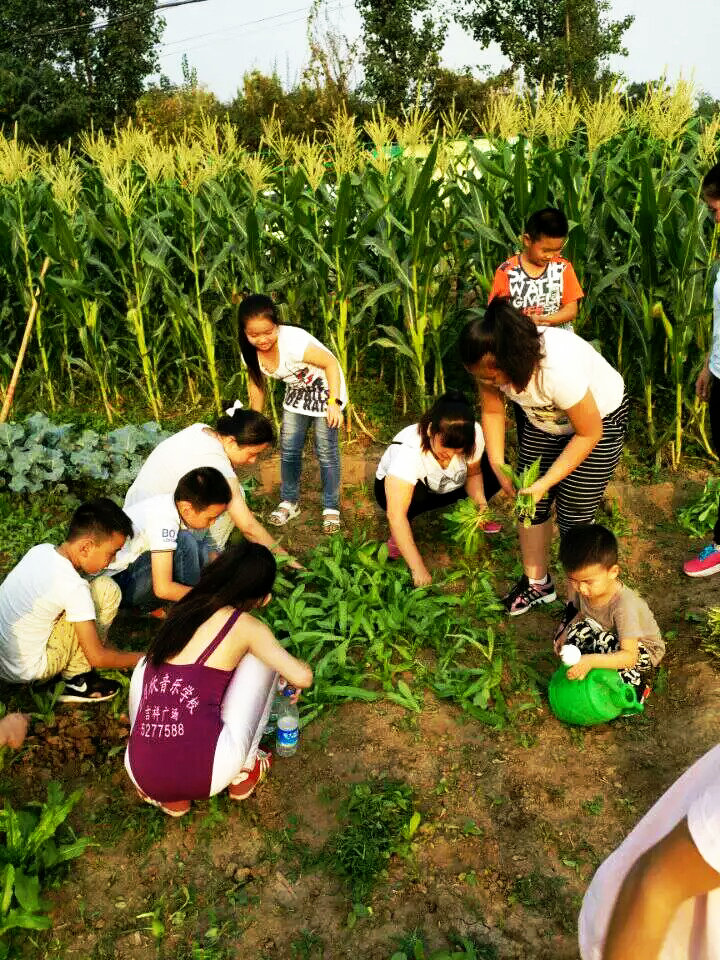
{"x":514,"y":822}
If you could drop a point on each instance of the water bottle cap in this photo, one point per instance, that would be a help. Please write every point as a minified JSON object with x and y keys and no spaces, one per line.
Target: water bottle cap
{"x":570,"y":654}
{"x":288,"y":691}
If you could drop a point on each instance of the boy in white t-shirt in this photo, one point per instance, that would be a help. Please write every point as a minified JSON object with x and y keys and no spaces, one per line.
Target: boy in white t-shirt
{"x":52,"y":621}
{"x":164,"y":558}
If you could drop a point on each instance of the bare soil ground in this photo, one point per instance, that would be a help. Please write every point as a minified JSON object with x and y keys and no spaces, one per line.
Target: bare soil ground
{"x":514,"y":822}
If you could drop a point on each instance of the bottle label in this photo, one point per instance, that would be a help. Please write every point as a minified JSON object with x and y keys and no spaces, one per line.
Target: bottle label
{"x":287,"y":738}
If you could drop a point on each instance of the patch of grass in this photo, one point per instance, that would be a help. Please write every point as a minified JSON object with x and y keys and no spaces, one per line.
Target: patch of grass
{"x":546,"y":895}
{"x":379,"y":821}
{"x":308,"y":946}
{"x":28,"y":521}
{"x":594,"y":807}
{"x":412,"y":946}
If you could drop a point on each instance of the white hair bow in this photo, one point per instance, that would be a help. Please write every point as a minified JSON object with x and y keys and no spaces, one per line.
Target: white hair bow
{"x":236,"y":406}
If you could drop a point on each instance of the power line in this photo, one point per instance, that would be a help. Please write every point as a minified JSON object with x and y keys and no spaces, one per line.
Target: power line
{"x":336,"y":5}
{"x":94,"y":27}
{"x":234,"y":26}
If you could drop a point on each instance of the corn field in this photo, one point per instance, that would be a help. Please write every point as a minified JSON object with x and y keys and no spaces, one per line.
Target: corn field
{"x":383,"y":253}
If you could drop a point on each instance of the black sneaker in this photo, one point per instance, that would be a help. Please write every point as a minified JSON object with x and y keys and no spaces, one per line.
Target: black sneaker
{"x":525,"y":595}
{"x":88,"y":687}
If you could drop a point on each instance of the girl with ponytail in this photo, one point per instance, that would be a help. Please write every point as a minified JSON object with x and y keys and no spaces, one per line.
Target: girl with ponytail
{"x":200,"y":699}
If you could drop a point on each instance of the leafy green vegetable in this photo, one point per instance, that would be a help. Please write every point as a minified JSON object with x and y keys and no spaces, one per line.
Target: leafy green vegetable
{"x":34,"y":847}
{"x":525,"y":504}
{"x":465,"y":523}
{"x":699,"y":516}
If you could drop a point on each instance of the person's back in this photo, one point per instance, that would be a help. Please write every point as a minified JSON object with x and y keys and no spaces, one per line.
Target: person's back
{"x":200,"y":700}
{"x":172,"y":458}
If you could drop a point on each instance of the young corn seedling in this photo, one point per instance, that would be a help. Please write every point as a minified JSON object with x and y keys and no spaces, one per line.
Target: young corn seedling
{"x":524,"y":506}
{"x":465,"y":523}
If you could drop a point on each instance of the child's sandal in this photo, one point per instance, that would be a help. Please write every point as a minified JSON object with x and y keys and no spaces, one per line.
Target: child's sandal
{"x":331,"y":521}
{"x":283,"y":512}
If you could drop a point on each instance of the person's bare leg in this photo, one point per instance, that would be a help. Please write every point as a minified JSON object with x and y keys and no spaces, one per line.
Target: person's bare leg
{"x":535,"y":549}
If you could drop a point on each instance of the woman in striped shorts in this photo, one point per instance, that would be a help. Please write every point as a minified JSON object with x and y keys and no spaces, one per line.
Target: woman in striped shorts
{"x":577,"y":414}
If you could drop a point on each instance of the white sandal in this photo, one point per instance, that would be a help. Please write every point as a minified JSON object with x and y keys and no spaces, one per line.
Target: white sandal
{"x":283,"y":512}
{"x":331,"y":521}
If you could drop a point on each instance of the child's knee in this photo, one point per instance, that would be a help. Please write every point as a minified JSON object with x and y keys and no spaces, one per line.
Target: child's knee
{"x":106,"y":596}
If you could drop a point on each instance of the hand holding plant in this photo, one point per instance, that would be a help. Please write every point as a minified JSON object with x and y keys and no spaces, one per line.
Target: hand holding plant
{"x":530,"y":488}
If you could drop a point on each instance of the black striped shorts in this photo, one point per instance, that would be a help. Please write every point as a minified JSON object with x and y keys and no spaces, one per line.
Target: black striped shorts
{"x":578,"y":496}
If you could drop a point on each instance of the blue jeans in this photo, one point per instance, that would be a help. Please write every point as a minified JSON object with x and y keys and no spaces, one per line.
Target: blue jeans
{"x":191,"y":555}
{"x":327,"y":450}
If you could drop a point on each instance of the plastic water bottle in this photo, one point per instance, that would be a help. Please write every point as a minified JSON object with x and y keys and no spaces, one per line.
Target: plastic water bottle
{"x":288,"y":726}
{"x":271,"y":725}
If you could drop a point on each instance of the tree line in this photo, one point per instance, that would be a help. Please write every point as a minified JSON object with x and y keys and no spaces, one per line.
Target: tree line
{"x":84,"y":63}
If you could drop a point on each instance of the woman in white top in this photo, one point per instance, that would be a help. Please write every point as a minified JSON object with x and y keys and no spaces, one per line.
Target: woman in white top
{"x":237,"y":440}
{"x":657,"y":897}
{"x":576,"y":412}
{"x":431,"y":465}
{"x":315,"y":393}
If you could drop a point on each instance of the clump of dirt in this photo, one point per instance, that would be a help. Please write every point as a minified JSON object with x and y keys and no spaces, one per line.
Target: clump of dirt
{"x":62,"y":744}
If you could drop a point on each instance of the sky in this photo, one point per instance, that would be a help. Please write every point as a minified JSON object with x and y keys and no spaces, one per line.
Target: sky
{"x":223,"y":39}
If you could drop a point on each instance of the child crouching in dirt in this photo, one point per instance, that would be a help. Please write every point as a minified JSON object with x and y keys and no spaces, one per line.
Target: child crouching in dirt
{"x":200,"y":699}
{"x":611,"y":625}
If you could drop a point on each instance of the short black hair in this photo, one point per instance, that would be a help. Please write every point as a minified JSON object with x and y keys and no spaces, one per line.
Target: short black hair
{"x":202,"y":488}
{"x":587,"y":544}
{"x":99,"y":519}
{"x":548,"y":222}
{"x":452,"y":420}
{"x":711,"y":183}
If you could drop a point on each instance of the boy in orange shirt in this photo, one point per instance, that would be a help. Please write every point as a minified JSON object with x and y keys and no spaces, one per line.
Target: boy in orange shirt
{"x":538,"y":281}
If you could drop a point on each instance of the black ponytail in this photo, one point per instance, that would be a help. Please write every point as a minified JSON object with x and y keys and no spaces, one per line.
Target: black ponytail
{"x":512,"y":339}
{"x":452,"y":420}
{"x":247,"y":427}
{"x":256,"y":305}
{"x":241,"y":577}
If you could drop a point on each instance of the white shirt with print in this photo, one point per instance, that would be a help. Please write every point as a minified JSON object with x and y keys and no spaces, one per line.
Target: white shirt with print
{"x":156,"y":523}
{"x":694,"y":932}
{"x":571,"y":366}
{"x":173,"y":458}
{"x":35,"y":594}
{"x":406,"y":460}
{"x":306,"y":386}
{"x":714,"y":361}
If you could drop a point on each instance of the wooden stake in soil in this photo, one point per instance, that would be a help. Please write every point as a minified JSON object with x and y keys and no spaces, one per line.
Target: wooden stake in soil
{"x":23,"y":346}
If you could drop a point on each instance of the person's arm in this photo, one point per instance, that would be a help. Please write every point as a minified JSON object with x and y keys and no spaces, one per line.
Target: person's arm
{"x":399,"y":494}
{"x":256,"y":395}
{"x":13,"y":728}
{"x":587,"y":424}
{"x":319,"y":357}
{"x":666,"y":875}
{"x":622,"y":659}
{"x":262,"y":644}
{"x":702,"y":384}
{"x":101,"y":656}
{"x":492,"y":418}
{"x":250,"y":527}
{"x":163,"y":584}
{"x":474,"y":484}
{"x":566,"y":314}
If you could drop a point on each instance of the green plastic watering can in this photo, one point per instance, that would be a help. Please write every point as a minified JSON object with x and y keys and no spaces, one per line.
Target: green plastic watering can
{"x":601,"y":696}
